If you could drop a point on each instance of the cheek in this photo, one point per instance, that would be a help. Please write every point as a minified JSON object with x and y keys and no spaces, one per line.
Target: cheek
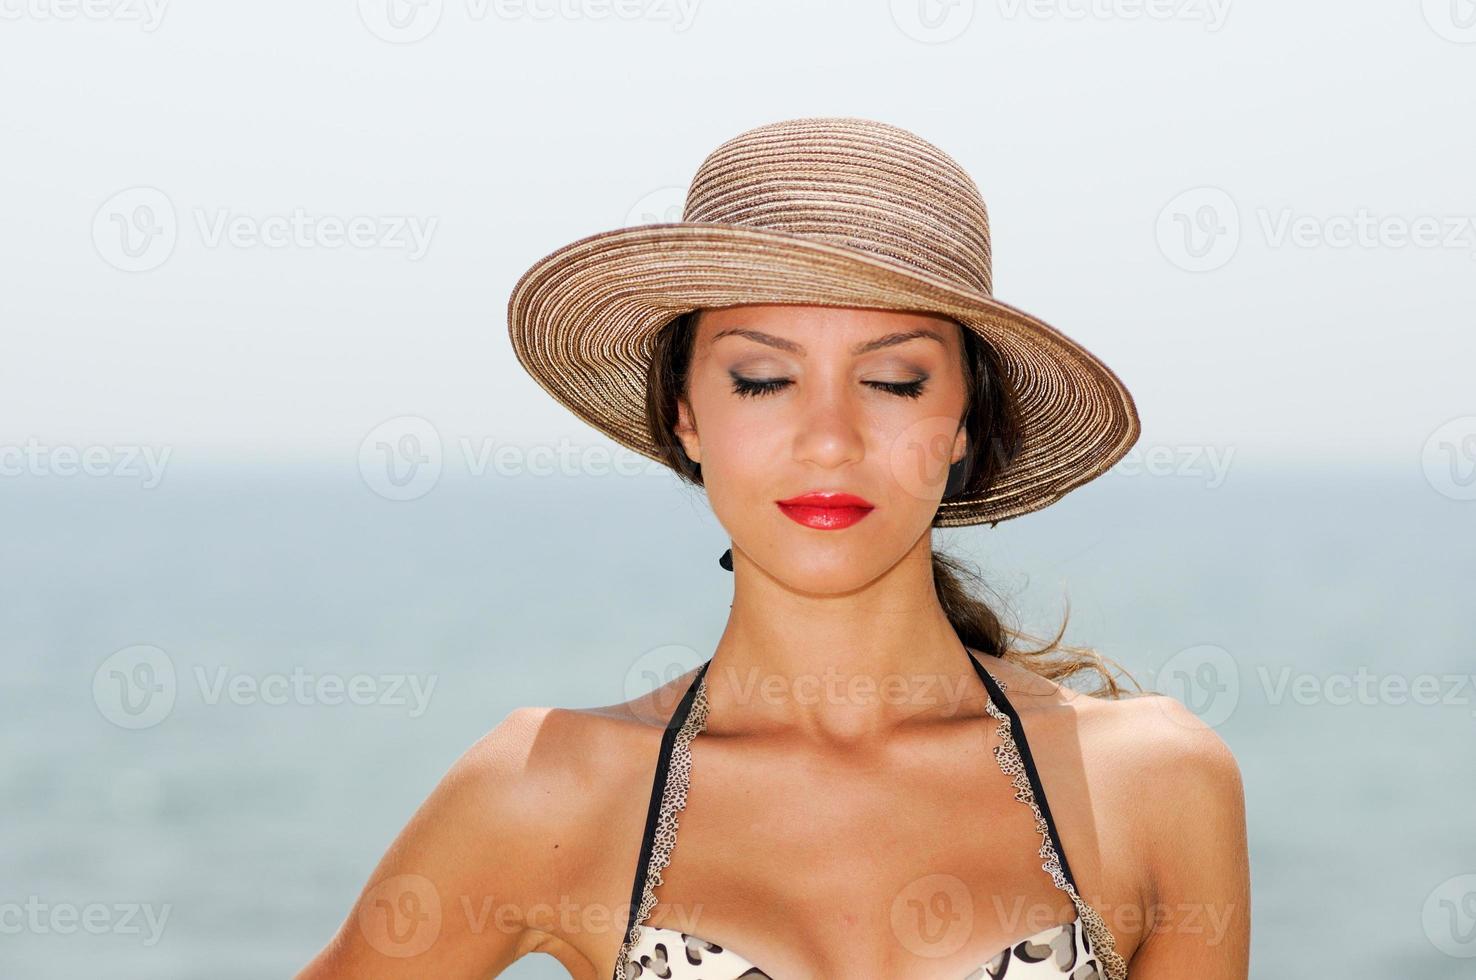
{"x":740,"y":460}
{"x":917,"y":454}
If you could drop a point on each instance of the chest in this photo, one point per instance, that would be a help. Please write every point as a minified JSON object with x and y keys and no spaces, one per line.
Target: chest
{"x":922,"y":861}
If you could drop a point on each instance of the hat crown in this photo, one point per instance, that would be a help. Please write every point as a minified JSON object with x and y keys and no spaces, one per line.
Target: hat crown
{"x":854,"y":182}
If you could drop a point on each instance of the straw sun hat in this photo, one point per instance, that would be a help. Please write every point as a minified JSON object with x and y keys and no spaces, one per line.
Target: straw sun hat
{"x":828,"y":212}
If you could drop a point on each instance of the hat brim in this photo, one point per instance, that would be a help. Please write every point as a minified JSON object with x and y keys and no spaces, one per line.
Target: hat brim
{"x":582,"y":318}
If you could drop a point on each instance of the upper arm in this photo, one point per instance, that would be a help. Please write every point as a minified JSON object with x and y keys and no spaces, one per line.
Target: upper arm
{"x":446,"y":900}
{"x":1198,"y":923}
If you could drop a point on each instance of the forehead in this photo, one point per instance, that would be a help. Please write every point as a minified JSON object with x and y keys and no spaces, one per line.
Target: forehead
{"x":819,"y":325}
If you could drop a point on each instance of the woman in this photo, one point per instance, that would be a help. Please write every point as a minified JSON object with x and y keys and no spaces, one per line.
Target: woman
{"x":816,"y":345}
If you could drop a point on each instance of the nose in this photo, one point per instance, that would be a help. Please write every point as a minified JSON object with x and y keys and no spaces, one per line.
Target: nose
{"x":828,"y":430}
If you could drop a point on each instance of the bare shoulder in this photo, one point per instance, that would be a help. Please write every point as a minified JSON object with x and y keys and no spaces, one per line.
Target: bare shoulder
{"x":1145,"y":773}
{"x":1137,"y":750}
{"x":569,"y":759}
{"x":555,"y":778}
{"x":1160,"y":781}
{"x":1165,"y":757}
{"x":512,"y":827}
{"x":545,"y":772}
{"x":1145,"y":739}
{"x":1189,"y":790}
{"x":1153,"y":741}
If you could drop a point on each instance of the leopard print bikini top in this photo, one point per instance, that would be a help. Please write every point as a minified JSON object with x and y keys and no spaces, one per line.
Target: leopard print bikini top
{"x":1082,"y":949}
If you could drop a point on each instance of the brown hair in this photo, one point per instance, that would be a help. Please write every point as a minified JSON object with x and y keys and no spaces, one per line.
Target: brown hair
{"x":994,"y":435}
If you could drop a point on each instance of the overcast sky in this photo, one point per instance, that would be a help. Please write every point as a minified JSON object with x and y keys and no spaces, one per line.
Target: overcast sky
{"x":1258,"y":213}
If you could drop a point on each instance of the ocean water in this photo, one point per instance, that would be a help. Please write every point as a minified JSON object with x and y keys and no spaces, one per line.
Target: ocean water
{"x":245,"y":828}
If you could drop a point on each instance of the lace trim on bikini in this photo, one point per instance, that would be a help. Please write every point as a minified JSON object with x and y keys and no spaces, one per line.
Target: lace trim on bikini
{"x":673,"y":800}
{"x":1007,"y":754}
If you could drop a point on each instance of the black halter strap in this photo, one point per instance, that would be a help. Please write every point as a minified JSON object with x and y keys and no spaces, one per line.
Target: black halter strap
{"x":1017,"y":732}
{"x":658,"y":790}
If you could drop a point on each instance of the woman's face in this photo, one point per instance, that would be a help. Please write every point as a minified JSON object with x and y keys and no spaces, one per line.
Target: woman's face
{"x":786,"y":400}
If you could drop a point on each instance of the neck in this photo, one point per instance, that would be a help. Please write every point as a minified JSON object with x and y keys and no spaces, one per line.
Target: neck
{"x":838,"y":668}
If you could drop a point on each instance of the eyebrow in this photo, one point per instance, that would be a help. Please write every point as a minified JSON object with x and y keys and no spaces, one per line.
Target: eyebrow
{"x":865,"y":347}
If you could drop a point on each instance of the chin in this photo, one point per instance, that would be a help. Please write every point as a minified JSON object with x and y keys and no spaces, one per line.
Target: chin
{"x":828,"y":569}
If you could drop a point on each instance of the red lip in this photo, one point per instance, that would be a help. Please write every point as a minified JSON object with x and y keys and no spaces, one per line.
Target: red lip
{"x":826,"y":510}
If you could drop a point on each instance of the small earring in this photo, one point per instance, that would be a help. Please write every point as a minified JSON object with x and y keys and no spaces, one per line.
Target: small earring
{"x":726,"y":559}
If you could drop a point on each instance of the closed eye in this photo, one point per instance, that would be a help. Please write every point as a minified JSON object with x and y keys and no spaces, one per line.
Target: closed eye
{"x":907,"y":389}
{"x":751,"y":387}
{"x":754,"y":387}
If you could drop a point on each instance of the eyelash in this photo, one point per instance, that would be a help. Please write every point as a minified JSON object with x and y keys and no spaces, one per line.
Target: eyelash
{"x":748,"y":388}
